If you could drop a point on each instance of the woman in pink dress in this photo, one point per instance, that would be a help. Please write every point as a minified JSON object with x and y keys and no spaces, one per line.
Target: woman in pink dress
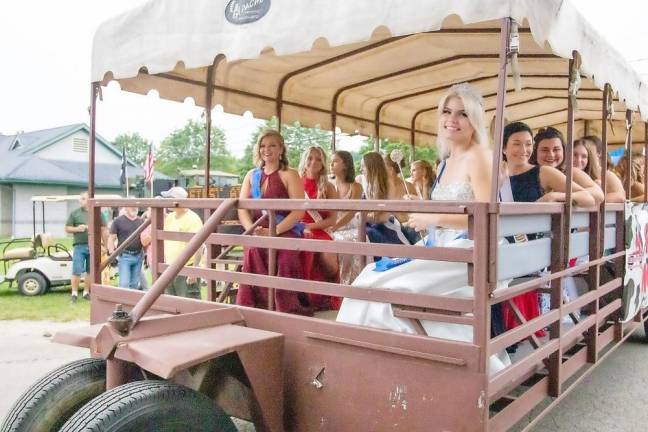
{"x":319,"y":266}
{"x":273,"y":179}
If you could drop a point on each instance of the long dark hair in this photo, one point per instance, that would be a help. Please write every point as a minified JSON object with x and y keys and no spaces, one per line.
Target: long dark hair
{"x":347,"y":161}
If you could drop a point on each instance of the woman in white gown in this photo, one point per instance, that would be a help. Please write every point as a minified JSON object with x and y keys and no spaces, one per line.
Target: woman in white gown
{"x":464,"y":175}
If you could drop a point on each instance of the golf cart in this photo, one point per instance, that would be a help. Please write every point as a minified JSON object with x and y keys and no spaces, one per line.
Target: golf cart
{"x":43,"y":263}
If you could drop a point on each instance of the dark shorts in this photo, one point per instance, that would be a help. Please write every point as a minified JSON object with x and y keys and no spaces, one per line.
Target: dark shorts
{"x":80,"y":259}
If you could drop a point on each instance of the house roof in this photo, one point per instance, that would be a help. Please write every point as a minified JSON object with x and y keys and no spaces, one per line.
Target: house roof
{"x":24,"y":165}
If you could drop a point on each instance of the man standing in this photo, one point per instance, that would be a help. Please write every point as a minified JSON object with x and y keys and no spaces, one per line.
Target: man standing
{"x":129,"y":262}
{"x":77,"y":225}
{"x":182,"y":220}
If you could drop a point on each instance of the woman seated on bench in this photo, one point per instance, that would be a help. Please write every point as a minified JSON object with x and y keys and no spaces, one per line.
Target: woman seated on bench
{"x":465,"y":175}
{"x":532,"y":183}
{"x":586,"y":158}
{"x":549,"y":150}
{"x":273,"y":179}
{"x":318,"y":266}
{"x":382,"y":227}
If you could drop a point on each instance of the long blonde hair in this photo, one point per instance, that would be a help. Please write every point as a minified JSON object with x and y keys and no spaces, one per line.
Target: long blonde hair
{"x":321,"y":180}
{"x":258,"y":161}
{"x":474,"y":108}
{"x":377,"y":181}
{"x":593,"y":167}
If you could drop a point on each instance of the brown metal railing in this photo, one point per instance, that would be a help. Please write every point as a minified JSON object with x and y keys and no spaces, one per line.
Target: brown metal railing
{"x":470,"y":311}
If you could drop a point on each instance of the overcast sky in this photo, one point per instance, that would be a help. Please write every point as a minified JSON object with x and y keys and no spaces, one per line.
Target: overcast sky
{"x":45,"y":66}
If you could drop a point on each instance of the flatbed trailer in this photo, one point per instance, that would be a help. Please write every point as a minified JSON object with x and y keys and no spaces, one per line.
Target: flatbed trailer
{"x":375,"y":67}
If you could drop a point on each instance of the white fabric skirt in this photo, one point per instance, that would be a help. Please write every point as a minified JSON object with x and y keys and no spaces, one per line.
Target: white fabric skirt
{"x":422,"y":277}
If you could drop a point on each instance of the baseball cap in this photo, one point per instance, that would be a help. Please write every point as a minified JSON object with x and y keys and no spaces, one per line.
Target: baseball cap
{"x":175,"y":192}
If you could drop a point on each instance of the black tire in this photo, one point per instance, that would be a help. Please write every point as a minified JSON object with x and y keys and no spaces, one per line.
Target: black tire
{"x":158,"y":406}
{"x":48,"y":403}
{"x":32,"y":284}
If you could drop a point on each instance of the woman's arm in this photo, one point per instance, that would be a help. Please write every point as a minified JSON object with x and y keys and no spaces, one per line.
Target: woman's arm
{"x":589,"y":185}
{"x":356,"y":193}
{"x":614,"y":192}
{"x":555,"y":182}
{"x":330,"y":219}
{"x":244,"y":215}
{"x":295,"y":191}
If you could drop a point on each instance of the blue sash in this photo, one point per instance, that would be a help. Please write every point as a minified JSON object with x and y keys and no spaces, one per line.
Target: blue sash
{"x":255,"y":183}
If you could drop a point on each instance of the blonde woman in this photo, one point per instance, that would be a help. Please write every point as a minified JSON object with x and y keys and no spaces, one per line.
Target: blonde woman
{"x":586,"y":159}
{"x":271,"y":179}
{"x":423,"y":176}
{"x":637,"y":191}
{"x":382,"y":227}
{"x":465,"y":176}
{"x":318,"y":266}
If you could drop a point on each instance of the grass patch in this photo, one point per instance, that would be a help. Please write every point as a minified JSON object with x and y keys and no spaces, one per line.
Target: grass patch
{"x":53,"y":306}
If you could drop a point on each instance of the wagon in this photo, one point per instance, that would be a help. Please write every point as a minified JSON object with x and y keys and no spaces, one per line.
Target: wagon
{"x":165,"y":363}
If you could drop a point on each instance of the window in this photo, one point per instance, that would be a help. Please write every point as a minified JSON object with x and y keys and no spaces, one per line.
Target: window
{"x":80,"y":145}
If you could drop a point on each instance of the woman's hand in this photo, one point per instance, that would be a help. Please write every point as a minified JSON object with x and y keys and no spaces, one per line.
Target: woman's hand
{"x":552,"y":197}
{"x":420,"y":221}
{"x":262,"y":232}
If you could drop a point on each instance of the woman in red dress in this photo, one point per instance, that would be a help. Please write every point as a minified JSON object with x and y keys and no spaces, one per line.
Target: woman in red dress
{"x":319,"y":266}
{"x":273,"y":179}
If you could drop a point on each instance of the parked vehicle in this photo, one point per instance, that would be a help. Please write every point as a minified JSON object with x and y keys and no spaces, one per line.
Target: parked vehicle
{"x":379,"y":68}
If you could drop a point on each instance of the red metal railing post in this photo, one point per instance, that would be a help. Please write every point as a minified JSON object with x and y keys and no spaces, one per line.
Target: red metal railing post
{"x":272,"y":257}
{"x":94,"y":92}
{"x":628,"y":154}
{"x":157,"y":247}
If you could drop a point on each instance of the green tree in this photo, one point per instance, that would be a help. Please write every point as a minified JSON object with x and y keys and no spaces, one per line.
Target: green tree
{"x":185,"y":149}
{"x":136,"y":146}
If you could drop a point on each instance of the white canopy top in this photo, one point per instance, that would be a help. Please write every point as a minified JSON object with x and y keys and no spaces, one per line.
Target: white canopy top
{"x":362,"y":62}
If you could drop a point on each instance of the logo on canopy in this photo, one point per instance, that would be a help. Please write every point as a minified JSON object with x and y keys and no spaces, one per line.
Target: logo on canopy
{"x":246,"y":11}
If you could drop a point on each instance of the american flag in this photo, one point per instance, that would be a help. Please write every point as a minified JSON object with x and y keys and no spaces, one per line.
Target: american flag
{"x":148,"y":165}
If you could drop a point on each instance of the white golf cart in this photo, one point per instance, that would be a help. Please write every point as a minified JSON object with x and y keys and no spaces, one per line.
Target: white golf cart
{"x":44,"y":263}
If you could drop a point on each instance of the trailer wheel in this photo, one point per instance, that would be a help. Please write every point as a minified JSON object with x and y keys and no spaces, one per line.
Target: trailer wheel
{"x":49,"y":402}
{"x":150,"y":405}
{"x":32,"y":284}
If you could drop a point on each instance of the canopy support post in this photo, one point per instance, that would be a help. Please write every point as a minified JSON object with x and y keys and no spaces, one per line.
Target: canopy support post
{"x":209,"y":97}
{"x":94,"y":92}
{"x":94,"y":213}
{"x":628,"y":147}
{"x":505,"y":47}
{"x":645,"y":173}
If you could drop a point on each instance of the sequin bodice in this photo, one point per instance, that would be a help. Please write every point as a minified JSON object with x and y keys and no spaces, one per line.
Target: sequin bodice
{"x":461,"y":191}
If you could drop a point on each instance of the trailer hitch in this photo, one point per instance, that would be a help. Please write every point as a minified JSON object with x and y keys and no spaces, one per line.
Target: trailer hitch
{"x":120,"y":320}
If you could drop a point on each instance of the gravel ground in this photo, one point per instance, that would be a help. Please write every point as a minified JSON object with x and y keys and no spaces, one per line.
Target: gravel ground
{"x":612,"y":399}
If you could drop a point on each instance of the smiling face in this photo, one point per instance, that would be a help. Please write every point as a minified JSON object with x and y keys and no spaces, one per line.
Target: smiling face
{"x":314,"y":164}
{"x":550,"y":152}
{"x":270,"y":150}
{"x":518,"y":148}
{"x":581,"y":157}
{"x":454,"y":122}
